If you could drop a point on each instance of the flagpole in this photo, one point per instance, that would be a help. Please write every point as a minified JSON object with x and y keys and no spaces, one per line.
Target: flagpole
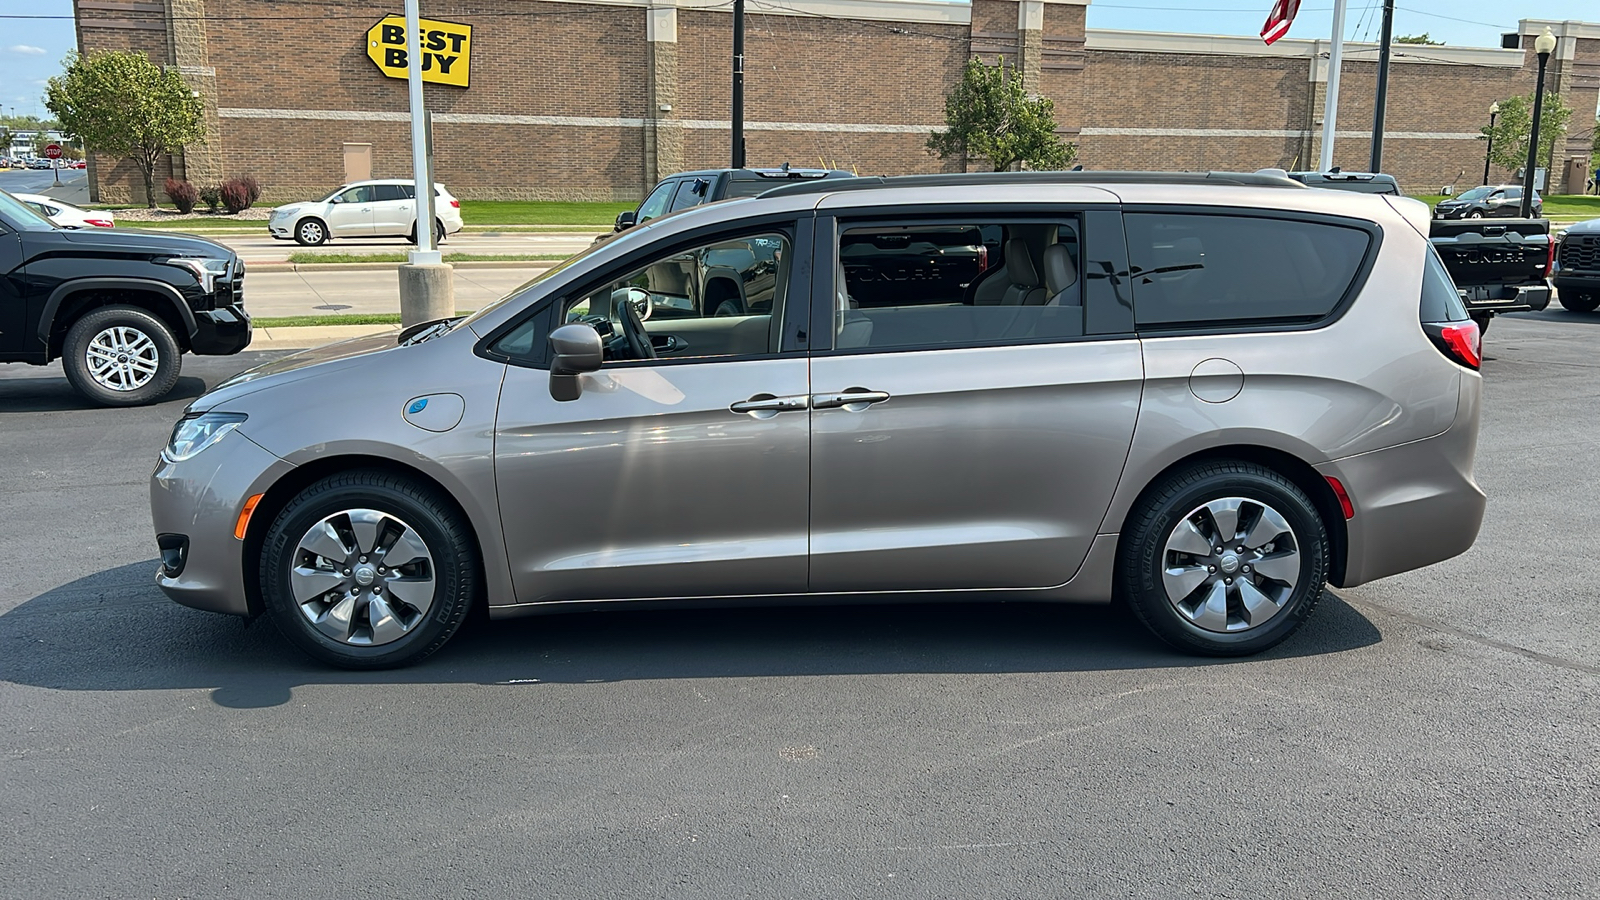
{"x":1330,"y":108}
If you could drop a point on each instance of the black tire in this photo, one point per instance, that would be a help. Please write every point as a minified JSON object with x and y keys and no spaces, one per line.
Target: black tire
{"x":1579,"y":303}
{"x":310,"y":232}
{"x":1142,"y":552}
{"x":1475,"y":214}
{"x":1483,"y":323}
{"x":75,"y":356}
{"x":438,"y":233}
{"x":453,"y":548}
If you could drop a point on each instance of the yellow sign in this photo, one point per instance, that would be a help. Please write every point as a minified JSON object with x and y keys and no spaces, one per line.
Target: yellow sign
{"x":446,"y":50}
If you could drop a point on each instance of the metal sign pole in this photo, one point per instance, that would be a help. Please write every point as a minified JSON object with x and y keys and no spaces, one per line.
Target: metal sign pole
{"x":425,"y":252}
{"x":1330,"y":108}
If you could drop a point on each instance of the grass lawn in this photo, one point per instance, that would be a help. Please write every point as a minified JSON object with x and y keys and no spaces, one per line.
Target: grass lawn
{"x":220,"y":223}
{"x":540,"y":212}
{"x":1558,"y":205}
{"x":306,"y":258}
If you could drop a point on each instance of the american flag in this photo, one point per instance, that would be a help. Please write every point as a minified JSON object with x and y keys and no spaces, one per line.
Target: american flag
{"x":1279,"y":19}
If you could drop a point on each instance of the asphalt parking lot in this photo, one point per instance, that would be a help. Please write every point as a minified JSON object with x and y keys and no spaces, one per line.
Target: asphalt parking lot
{"x":1431,"y":735}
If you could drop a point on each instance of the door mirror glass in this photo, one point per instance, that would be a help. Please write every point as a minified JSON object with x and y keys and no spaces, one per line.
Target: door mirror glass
{"x":624,"y":220}
{"x":574,"y":350}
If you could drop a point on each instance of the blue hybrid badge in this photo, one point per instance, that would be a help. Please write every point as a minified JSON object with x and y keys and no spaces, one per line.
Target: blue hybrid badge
{"x":435,"y":412}
{"x":417,"y":405}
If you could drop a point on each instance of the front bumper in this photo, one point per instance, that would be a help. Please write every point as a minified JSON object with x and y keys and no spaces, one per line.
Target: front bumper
{"x":1576,"y":282}
{"x":1415,"y":504}
{"x":282,"y":229}
{"x":196,"y":504}
{"x":220,"y":332}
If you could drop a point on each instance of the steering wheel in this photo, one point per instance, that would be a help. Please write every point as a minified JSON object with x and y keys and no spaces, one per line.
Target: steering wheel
{"x":633,"y":329}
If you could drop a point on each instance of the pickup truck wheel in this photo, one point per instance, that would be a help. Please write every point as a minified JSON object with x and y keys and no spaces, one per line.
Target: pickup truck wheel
{"x":121,"y":356}
{"x":311,"y":232}
{"x":1582,"y":303}
{"x":1483,"y":321}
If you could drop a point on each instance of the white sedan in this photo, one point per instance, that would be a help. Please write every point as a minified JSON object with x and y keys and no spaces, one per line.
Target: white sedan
{"x":383,"y":208}
{"x":65,"y":214}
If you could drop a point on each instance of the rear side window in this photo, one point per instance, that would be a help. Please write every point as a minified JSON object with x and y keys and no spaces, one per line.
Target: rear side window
{"x":1441,"y":302}
{"x":389,"y":192}
{"x":1198,"y":268}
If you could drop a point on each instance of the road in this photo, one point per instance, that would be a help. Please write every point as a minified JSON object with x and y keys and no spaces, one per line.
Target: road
{"x":1431,"y":736}
{"x":41,"y":181}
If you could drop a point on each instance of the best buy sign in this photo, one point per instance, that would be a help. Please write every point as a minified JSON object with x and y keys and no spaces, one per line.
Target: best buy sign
{"x":446,"y":50}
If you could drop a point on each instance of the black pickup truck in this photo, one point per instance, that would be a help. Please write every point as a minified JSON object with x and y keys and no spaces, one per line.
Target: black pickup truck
{"x":119,"y":308}
{"x":1499,"y":266}
{"x":1577,"y":272}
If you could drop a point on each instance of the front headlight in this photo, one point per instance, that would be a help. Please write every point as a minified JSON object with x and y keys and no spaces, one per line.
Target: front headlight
{"x":206,"y":269}
{"x":198,"y":431}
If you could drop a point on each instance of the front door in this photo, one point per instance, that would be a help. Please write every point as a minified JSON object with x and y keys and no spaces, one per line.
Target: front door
{"x":681,"y":471}
{"x":350,"y":213}
{"x":13,"y":305}
{"x":968,"y":426}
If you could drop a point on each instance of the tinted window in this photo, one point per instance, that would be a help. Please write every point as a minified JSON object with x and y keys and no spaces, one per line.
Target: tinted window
{"x":388,"y":192}
{"x":917,"y":285}
{"x":1440,"y":300}
{"x":1198,"y":268}
{"x":690,"y":193}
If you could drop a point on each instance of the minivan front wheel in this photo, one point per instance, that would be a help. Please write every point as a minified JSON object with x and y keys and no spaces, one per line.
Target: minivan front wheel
{"x":369,"y":570}
{"x":1223,"y":559}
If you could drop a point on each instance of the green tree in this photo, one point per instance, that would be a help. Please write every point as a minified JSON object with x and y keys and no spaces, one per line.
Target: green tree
{"x":122,"y":104}
{"x":1422,"y":38}
{"x":41,"y":140}
{"x":1515,"y":123}
{"x":988,"y":114}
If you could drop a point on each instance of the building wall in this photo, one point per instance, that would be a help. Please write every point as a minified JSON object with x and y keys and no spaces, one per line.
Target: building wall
{"x":598,"y":99}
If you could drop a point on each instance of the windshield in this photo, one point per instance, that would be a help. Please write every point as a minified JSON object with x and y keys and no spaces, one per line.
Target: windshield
{"x":1477,"y":193}
{"x":21,"y":216}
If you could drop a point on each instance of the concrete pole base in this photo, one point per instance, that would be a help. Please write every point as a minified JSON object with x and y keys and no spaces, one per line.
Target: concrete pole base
{"x":427,"y":292}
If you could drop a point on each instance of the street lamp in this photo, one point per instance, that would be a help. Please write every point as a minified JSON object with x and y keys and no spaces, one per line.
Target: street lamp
{"x":1494,"y":111}
{"x":1544,"y":46}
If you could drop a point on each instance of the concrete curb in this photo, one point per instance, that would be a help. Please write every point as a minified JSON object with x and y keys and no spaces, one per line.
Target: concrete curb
{"x":307,"y":336}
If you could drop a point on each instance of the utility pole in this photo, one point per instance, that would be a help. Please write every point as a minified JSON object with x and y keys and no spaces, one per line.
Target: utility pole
{"x":738,"y":84}
{"x":1330,"y":107}
{"x":1383,"y":86}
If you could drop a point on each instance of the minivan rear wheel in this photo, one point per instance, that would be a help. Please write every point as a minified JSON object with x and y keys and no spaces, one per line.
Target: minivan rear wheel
{"x":369,"y":570}
{"x":1223,"y":558}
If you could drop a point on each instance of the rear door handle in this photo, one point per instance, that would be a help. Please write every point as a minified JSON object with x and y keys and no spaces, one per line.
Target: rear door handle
{"x":765,"y":406}
{"x":853,"y":399}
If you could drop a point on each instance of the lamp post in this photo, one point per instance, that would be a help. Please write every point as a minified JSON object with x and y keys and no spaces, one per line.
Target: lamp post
{"x":1543,"y":46}
{"x":1494,"y":113}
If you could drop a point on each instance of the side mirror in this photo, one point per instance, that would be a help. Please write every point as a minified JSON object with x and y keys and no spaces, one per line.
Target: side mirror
{"x":574,"y":350}
{"x":626,"y":220}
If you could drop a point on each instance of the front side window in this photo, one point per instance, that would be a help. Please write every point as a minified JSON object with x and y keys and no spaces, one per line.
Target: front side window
{"x":360,"y":194}
{"x":722,"y":298}
{"x":950,"y":284}
{"x":656,"y":204}
{"x":1196,"y":268}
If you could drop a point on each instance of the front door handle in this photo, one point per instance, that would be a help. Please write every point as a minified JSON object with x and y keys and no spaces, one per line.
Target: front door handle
{"x":852,"y":399}
{"x":765,"y":406}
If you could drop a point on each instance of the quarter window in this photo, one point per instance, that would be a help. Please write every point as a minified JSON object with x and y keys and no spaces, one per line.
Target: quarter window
{"x":951,"y":284}
{"x":1192,"y":268}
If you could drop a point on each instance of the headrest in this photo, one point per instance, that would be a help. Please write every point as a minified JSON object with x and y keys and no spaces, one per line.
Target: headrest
{"x":1059,"y":272}
{"x":1019,"y":265}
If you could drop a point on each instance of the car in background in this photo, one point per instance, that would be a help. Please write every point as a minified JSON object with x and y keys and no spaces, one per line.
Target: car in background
{"x":38,"y":162}
{"x":380,"y":208}
{"x":66,"y":215}
{"x":1207,"y":395}
{"x":1361,"y":182}
{"x":687,"y":189}
{"x":1488,"y":202}
{"x":1576,"y":274}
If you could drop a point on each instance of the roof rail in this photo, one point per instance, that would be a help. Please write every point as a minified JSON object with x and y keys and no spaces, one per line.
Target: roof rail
{"x":873,"y":182}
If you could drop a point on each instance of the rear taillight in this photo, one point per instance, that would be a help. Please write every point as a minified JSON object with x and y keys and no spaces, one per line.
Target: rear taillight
{"x":455,"y":203}
{"x":100,"y":223}
{"x":1458,"y":340}
{"x":1550,"y":258}
{"x":983,"y":258}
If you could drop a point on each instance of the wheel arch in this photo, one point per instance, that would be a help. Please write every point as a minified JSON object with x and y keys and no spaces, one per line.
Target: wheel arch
{"x":1297,"y":470}
{"x":723,"y":284}
{"x":69,"y":301}
{"x":281,"y":492}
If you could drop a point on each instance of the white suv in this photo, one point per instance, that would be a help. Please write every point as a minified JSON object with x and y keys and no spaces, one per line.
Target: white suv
{"x":383,"y":208}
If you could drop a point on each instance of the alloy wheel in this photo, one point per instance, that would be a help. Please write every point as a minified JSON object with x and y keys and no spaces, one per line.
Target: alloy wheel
{"x":363,"y":577}
{"x":1230,"y":565}
{"x":122,"y":359}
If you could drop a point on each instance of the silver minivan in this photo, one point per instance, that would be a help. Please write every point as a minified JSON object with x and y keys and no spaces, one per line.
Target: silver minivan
{"x":1207,"y":396}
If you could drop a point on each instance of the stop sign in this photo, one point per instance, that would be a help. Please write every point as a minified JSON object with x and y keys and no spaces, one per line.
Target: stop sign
{"x":53,"y":151}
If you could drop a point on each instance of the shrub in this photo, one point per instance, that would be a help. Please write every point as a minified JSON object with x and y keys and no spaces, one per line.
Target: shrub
{"x":212,"y":197}
{"x":235,"y":195}
{"x":251,"y":186}
{"x":182,"y":194}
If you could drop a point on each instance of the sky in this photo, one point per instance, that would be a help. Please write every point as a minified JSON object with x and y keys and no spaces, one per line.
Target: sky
{"x":31,"y":49}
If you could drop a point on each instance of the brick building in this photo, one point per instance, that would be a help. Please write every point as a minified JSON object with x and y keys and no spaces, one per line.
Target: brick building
{"x":597,"y":99}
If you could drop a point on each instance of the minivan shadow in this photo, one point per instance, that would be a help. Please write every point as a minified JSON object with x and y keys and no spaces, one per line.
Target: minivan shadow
{"x":115,"y":631}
